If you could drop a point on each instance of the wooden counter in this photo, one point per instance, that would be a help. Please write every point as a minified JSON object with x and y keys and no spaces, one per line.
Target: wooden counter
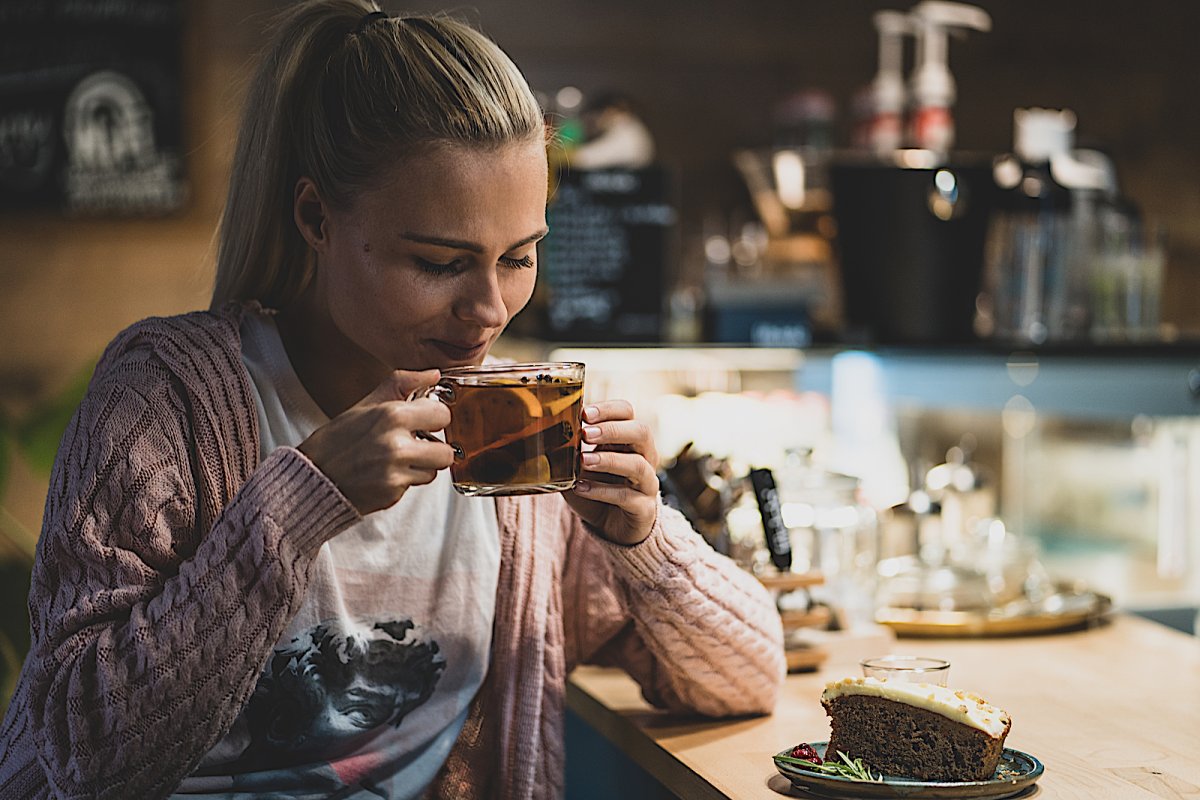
{"x":1112,"y":712}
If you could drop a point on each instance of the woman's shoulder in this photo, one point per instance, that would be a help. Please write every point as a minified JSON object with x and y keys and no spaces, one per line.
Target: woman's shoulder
{"x":196,"y":353}
{"x":179,"y":375}
{"x":194,"y":330}
{"x":180,"y":342}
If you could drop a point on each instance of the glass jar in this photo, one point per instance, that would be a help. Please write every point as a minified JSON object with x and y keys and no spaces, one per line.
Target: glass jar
{"x":834,"y":532}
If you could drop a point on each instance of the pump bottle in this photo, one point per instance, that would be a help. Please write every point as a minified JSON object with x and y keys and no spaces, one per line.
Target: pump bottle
{"x":885,"y":129}
{"x":931,"y":125}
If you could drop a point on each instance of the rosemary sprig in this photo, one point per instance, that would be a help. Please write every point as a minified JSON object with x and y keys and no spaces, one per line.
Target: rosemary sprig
{"x":854,"y":769}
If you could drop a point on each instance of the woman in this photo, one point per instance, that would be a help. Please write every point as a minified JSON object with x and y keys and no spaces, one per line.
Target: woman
{"x":253,"y":579}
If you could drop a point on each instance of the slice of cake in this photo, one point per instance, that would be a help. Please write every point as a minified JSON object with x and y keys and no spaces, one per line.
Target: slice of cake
{"x":915,"y":730}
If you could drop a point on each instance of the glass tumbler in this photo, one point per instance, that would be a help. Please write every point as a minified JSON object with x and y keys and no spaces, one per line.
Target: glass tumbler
{"x":907,"y":669}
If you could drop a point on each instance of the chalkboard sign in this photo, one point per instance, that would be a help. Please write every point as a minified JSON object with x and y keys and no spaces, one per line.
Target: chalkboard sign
{"x":603,"y":265}
{"x":90,"y":118}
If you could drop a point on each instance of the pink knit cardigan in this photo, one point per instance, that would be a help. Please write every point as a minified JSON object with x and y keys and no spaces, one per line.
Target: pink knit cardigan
{"x":171,"y":561}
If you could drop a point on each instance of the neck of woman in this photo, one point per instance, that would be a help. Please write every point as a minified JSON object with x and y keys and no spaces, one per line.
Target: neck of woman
{"x":333,"y":370}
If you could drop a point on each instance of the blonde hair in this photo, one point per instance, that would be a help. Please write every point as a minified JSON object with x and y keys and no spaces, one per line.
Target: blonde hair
{"x":338,"y":100}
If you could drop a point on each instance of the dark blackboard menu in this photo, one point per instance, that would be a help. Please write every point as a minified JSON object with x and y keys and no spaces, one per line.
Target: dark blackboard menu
{"x":90,"y":118}
{"x":603,"y":266}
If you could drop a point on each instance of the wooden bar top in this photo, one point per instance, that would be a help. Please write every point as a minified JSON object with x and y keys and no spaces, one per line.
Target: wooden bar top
{"x":1112,"y":712}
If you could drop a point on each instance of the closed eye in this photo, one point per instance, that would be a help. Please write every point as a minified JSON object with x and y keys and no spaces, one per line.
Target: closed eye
{"x":437,"y":268}
{"x":457,"y":265}
{"x":517,"y":263}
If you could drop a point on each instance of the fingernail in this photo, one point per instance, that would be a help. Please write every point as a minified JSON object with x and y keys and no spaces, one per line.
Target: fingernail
{"x":591,"y":412}
{"x":583,"y":487}
{"x":591,"y":432}
{"x":590,"y":459}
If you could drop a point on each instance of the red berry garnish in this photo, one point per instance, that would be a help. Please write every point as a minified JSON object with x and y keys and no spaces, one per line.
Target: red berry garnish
{"x":804,"y":751}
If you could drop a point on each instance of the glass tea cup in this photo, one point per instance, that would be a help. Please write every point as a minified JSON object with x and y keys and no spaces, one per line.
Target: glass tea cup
{"x":515,"y":428}
{"x":907,"y":669}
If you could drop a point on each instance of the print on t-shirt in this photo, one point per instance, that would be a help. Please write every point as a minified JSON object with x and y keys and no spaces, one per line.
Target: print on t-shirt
{"x":330,"y":689}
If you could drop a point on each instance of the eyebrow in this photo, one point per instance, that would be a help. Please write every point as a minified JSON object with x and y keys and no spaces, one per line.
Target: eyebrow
{"x":460,"y":244}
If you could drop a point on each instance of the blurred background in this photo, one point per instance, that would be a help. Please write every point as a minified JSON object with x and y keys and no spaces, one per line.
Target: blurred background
{"x":717,"y":92}
{"x":706,"y":78}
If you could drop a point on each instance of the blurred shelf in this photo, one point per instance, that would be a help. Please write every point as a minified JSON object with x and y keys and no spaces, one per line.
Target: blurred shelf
{"x":805,"y":659}
{"x":659,"y":357}
{"x":655,"y":357}
{"x":815,"y":617}
{"x":1099,"y":382}
{"x":789,"y":581}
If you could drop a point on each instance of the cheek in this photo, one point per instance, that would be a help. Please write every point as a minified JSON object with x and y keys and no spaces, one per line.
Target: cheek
{"x":396,"y":308}
{"x":348,"y":277}
{"x":518,"y":290}
{"x":376,"y":307}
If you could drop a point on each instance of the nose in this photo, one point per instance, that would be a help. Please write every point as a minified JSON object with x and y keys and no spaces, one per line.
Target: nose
{"x":481,"y":301}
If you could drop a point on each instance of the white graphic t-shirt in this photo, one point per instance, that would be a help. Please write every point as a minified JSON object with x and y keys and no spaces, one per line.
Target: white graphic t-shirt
{"x":368,"y":689}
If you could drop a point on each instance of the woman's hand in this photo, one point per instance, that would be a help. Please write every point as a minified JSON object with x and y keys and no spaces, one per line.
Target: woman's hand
{"x":617,"y":492}
{"x":370,"y":450}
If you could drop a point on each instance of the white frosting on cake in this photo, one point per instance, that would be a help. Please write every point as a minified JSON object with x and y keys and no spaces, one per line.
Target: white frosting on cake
{"x":959,"y":706}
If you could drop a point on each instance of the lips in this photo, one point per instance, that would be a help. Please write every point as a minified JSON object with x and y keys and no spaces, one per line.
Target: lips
{"x":461,"y":351}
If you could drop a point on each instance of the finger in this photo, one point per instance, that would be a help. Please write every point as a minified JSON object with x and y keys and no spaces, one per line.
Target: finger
{"x":412,"y":476}
{"x":615,"y":494}
{"x":414,"y":452}
{"x":623,"y":432}
{"x":607,"y":410}
{"x":632,"y":467}
{"x":406,"y":382}
{"x":425,"y":414}
{"x":399,"y":384}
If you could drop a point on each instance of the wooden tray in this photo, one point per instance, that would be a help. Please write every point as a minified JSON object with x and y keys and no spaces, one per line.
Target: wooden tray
{"x":1069,"y":609}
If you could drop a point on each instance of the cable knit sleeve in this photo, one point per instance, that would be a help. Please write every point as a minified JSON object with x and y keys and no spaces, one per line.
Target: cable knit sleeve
{"x":693,"y":629}
{"x":152,"y":613}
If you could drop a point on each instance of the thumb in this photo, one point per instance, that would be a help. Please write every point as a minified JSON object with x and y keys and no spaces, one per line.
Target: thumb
{"x":399,"y":385}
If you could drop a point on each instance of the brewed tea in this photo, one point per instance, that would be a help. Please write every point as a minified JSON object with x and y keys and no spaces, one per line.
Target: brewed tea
{"x":515,"y":435}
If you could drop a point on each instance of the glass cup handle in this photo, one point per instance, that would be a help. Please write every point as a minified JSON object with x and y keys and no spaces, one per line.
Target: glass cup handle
{"x":444,"y":393}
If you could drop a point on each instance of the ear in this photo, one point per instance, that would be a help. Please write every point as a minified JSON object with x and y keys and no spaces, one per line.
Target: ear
{"x":310,"y":213}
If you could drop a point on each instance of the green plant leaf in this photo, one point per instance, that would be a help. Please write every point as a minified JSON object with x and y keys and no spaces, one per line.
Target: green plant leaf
{"x":22,"y":538}
{"x":14,"y":625}
{"x":5,"y":454}
{"x":10,"y":669}
{"x":14,"y":598}
{"x":40,"y":434}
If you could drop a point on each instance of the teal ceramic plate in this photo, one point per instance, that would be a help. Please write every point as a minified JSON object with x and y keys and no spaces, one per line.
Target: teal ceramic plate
{"x":1015,"y":774}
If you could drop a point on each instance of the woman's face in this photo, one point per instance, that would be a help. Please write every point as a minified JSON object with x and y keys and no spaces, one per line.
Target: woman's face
{"x":427,"y":269}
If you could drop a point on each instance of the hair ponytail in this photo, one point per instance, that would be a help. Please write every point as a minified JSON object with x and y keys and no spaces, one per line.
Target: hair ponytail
{"x":339,"y":104}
